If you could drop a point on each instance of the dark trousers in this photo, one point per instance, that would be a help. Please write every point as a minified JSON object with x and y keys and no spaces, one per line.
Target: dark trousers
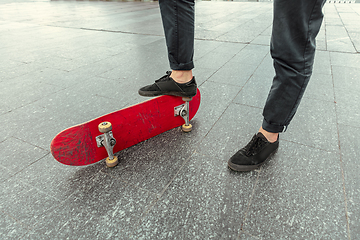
{"x":295,"y":26}
{"x":178,"y":18}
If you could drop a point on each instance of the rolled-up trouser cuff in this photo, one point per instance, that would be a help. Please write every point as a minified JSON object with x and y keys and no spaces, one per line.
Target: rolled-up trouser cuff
{"x":182,"y":66}
{"x":273,"y":128}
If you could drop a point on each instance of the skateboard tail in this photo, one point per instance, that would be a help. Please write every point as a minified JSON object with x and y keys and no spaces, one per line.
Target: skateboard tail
{"x":68,"y":147}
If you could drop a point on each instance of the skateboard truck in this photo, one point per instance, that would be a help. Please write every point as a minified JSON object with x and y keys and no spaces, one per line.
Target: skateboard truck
{"x":108,"y":141}
{"x":183,"y":111}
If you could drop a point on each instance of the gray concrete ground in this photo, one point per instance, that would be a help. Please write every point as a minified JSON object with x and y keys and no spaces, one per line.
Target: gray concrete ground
{"x":66,"y":62}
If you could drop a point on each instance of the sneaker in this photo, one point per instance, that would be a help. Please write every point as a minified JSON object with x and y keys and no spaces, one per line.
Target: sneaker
{"x":167,"y":86}
{"x":254,"y":154}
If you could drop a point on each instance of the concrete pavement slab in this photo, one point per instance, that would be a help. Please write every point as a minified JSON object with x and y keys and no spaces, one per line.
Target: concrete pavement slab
{"x":221,"y":59}
{"x":28,"y":155}
{"x":346,"y":97}
{"x":5,"y":174}
{"x":23,"y":202}
{"x":11,"y":228}
{"x":262,"y":40}
{"x":226,"y":75}
{"x":251,"y":54}
{"x":62,"y":180}
{"x":338,"y":40}
{"x":24,"y":90}
{"x":203,"y":73}
{"x":321,"y":87}
{"x":322,"y":63}
{"x":185,"y":211}
{"x":96,"y":211}
{"x":39,"y":122}
{"x":345,"y":60}
{"x":21,"y":68}
{"x":150,"y":168}
{"x":215,"y":99}
{"x":295,"y":192}
{"x":233,"y":130}
{"x":265,"y":68}
{"x":254,"y":92}
{"x":315,"y":125}
{"x":201,"y":48}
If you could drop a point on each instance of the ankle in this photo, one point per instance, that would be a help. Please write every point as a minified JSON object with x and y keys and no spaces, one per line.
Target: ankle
{"x":181,"y":76}
{"x":271,"y":137}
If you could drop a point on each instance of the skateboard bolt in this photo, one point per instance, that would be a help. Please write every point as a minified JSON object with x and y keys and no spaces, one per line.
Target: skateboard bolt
{"x":183,"y":113}
{"x":112,"y":142}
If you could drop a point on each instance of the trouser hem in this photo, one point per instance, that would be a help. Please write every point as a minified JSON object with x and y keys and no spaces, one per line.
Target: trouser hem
{"x":273,"y":128}
{"x":182,"y":66}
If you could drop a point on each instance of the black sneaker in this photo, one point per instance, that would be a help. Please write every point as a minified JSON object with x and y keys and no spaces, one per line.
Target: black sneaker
{"x":167,"y":86}
{"x":254,"y":154}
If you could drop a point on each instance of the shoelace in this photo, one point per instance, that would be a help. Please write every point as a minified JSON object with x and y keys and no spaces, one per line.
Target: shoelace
{"x":164,"y":77}
{"x":253,"y":145}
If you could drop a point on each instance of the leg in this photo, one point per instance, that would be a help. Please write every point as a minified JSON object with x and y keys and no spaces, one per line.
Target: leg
{"x":295,"y":26}
{"x":178,"y":18}
{"x":178,"y":23}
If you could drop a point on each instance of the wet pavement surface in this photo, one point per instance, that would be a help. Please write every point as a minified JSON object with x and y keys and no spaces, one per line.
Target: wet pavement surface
{"x":66,"y":62}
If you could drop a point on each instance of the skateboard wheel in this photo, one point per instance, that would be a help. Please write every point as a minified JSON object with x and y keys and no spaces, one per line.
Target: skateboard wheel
{"x":187,"y":99}
{"x":105,"y":127}
{"x":111,"y":162}
{"x":186,"y":128}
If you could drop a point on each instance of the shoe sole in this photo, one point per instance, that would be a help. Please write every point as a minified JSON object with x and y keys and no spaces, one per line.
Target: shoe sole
{"x":155,"y":94}
{"x":247,"y":168}
{"x":243,"y":168}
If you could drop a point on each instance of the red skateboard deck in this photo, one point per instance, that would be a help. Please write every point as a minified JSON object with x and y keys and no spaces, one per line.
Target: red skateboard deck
{"x":77,"y":145}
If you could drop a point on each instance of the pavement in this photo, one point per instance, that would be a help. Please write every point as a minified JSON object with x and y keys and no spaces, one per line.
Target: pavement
{"x":66,"y":62}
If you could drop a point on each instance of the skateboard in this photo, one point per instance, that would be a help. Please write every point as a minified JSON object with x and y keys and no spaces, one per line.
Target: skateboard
{"x":100,"y":138}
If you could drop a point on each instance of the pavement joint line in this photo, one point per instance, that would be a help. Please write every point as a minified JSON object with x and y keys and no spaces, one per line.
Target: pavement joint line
{"x":250,"y":200}
{"x":302,"y":144}
{"x":340,"y":158}
{"x":347,"y":32}
{"x":241,"y":228}
{"x":6,"y":179}
{"x":232,"y":101}
{"x":17,"y":220}
{"x":102,"y":30}
{"x":199,"y":39}
{"x":345,"y":197}
{"x":332,"y":51}
{"x":318,"y":99}
{"x":348,"y":125}
{"x":249,"y":234}
{"x":47,"y":150}
{"x":241,"y":88}
{"x":34,"y":101}
{"x":228,"y":84}
{"x":159,"y":197}
{"x":177,"y":173}
{"x":51,"y":209}
{"x":128,"y":183}
{"x":157,"y":35}
{"x":36,"y":161}
{"x":14,"y":174}
{"x":244,"y":24}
